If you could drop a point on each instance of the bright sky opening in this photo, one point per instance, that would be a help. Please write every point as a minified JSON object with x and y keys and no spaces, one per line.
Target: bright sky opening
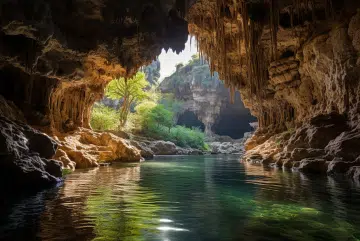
{"x":168,"y":60}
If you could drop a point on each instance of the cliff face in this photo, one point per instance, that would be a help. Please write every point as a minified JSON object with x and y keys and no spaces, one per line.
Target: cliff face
{"x":297,"y":67}
{"x":207,"y":97}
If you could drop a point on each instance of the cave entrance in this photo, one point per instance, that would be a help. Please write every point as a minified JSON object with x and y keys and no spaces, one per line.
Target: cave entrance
{"x":234,"y":120}
{"x":190,"y":120}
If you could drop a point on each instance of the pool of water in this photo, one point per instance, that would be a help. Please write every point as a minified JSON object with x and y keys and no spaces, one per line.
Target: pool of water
{"x":186,"y":198}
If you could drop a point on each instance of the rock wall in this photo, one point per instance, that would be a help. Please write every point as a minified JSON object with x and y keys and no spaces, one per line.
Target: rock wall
{"x":56,"y":57}
{"x":207,"y":97}
{"x":297,"y":69}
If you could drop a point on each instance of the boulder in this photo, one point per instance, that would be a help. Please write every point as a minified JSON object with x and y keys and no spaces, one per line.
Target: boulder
{"x":163,"y":148}
{"x":226,"y":147}
{"x":86,"y":148}
{"x":25,"y":154}
{"x":145,"y":151}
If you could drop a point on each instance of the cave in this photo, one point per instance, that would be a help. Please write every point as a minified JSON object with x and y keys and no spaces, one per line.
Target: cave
{"x":234,"y":120}
{"x":190,"y":120}
{"x":296,"y":65}
{"x":56,"y":60}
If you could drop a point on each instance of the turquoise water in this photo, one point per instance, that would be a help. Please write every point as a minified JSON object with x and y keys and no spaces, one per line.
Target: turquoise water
{"x":208,"y":198}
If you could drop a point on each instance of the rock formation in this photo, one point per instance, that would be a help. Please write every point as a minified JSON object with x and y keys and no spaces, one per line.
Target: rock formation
{"x":296,"y":64}
{"x":206,"y":98}
{"x":56,"y":57}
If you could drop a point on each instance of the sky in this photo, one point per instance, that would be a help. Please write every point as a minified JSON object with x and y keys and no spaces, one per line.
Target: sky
{"x":168,"y":60}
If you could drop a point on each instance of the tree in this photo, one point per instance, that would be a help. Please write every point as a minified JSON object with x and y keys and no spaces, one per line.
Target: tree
{"x":161,"y":116}
{"x":129,"y":91}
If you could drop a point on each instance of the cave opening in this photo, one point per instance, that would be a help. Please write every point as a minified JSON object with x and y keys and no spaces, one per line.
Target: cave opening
{"x":190,"y":120}
{"x":234,"y":120}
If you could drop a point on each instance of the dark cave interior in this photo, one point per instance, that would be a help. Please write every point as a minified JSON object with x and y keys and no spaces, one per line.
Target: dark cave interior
{"x":189,"y":120}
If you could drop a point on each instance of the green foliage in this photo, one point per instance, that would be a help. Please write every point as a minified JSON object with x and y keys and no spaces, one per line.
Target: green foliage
{"x":180,"y":135}
{"x":130,"y":91}
{"x":160,"y":116}
{"x":104,"y":118}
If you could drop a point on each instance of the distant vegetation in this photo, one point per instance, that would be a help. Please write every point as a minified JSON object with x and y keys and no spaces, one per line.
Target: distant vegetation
{"x":144,"y":111}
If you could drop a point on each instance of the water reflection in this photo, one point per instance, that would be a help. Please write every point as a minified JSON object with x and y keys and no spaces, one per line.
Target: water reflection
{"x":187,"y":198}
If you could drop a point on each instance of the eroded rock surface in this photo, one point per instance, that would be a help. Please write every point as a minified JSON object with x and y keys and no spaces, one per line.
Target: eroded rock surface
{"x":25,"y":156}
{"x":299,"y":78}
{"x":86,"y":148}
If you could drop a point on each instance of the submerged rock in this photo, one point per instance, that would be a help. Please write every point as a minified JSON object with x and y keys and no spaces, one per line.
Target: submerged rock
{"x":25,"y":154}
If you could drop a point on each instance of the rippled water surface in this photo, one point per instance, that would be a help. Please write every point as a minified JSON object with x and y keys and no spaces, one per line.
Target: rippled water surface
{"x":186,"y":198}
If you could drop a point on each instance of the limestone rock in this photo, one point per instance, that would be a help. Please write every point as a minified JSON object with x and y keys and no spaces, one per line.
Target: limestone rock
{"x":226,"y":147}
{"x":354,"y":173}
{"x":301,"y":153}
{"x":24,"y":155}
{"x":345,"y":145}
{"x":338,"y":165}
{"x":313,"y":165}
{"x":145,"y":150}
{"x":163,"y":148}
{"x":86,"y":148}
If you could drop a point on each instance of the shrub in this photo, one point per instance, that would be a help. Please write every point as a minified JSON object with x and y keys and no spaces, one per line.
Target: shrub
{"x":104,"y":118}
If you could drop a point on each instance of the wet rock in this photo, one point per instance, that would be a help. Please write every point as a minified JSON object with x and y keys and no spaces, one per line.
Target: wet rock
{"x":296,"y":165}
{"x":287,"y":164}
{"x":354,"y":173}
{"x":338,"y":165}
{"x":21,"y":165}
{"x":346,"y":145}
{"x":313,"y":165}
{"x":300,"y":153}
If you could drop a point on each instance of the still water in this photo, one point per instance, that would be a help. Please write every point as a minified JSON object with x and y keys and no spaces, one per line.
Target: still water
{"x":210,"y":198}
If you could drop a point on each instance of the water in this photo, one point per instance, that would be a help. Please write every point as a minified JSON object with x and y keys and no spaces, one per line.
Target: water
{"x":187,"y":198}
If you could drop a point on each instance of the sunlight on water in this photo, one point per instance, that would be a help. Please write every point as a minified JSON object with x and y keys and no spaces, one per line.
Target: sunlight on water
{"x":187,"y":198}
